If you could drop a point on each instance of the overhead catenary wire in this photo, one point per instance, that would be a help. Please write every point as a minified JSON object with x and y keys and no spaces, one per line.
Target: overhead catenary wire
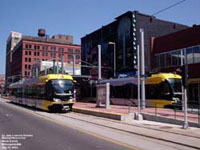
{"x":158,"y":12}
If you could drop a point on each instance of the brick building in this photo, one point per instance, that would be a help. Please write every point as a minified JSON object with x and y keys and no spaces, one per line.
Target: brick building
{"x":30,"y":50}
{"x":125,"y":33}
{"x":169,"y":52}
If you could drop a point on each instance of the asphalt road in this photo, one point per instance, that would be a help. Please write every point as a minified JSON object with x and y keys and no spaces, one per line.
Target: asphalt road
{"x":24,"y":130}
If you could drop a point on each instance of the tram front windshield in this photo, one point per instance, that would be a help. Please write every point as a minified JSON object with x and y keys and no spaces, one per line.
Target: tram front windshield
{"x":175,"y":85}
{"x":62,"y":87}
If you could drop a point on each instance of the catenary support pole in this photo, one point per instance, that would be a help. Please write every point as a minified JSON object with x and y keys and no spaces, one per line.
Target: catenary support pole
{"x":138,"y":72}
{"x":99,"y":62}
{"x":142,"y":68}
{"x":182,"y":88}
{"x":185,"y":125}
{"x":138,"y":116}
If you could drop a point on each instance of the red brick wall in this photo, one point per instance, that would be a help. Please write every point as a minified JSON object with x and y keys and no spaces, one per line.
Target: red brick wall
{"x":19,"y":55}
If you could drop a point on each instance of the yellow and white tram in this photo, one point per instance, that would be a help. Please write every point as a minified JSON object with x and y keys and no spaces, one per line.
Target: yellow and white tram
{"x":52,"y":92}
{"x":162,"y":90}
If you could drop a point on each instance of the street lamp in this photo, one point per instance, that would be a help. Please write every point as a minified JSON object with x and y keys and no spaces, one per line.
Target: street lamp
{"x":114,"y":56}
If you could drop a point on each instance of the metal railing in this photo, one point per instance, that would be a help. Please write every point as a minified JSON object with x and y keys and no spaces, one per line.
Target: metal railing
{"x":176,"y":108}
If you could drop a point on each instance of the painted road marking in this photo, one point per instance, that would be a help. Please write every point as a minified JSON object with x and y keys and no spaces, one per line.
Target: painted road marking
{"x":79,"y":129}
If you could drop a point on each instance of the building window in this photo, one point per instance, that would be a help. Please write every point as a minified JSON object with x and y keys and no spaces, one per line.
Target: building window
{"x":28,"y":46}
{"x":168,"y":59}
{"x":26,"y":59}
{"x":78,"y":56}
{"x":156,"y":62}
{"x":53,"y":54}
{"x":61,"y":50}
{"x":29,"y":59}
{"x":173,"y":58}
{"x":53,"y":48}
{"x":29,"y":52}
{"x":196,"y":51}
{"x":45,"y":47}
{"x":70,"y":56}
{"x":25,"y":66}
{"x":162,"y":60}
{"x":26,"y":52}
{"x":60,"y":55}
{"x":70,"y":50}
{"x":35,"y":53}
{"x":38,"y":53}
{"x":176,"y":58}
{"x":77,"y":51}
{"x":29,"y":66}
{"x":189,"y":56}
{"x":37,"y":47}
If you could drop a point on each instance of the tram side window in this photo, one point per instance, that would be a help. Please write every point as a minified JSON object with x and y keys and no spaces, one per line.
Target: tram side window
{"x":164,"y":92}
{"x":14,"y":92}
{"x":40,"y":91}
{"x":30,"y":92}
{"x":151,"y":91}
{"x":19,"y":92}
{"x":49,"y":91}
{"x":126,"y":91}
{"x":158,"y":91}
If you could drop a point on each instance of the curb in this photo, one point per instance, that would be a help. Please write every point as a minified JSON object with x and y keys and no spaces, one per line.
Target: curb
{"x":110,"y":115}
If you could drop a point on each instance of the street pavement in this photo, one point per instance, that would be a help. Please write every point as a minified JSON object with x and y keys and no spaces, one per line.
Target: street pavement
{"x":25,"y":131}
{"x":126,"y":134}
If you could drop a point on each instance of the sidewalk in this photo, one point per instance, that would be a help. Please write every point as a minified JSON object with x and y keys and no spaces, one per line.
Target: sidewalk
{"x":121,"y":112}
{"x":155,"y":130}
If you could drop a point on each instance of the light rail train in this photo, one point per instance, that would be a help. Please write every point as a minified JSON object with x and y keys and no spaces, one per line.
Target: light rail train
{"x":163,"y":90}
{"x":52,"y":92}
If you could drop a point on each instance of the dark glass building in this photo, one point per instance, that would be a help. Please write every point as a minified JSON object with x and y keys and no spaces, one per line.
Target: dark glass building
{"x":124,"y":33}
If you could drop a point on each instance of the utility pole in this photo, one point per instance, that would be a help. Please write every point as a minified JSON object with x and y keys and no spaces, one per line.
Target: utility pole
{"x":185,"y":84}
{"x":139,"y":116}
{"x":182,"y":87}
{"x":138,"y":72}
{"x":99,"y":62}
{"x":142,"y":67}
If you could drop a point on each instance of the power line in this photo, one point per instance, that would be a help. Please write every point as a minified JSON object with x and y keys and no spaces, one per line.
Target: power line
{"x":168,"y":7}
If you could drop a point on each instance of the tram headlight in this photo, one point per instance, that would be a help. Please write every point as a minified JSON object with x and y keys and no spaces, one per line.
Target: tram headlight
{"x":56,"y":100}
{"x":176,"y":99}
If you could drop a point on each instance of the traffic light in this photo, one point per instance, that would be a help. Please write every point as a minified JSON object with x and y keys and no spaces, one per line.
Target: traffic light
{"x":184,"y":70}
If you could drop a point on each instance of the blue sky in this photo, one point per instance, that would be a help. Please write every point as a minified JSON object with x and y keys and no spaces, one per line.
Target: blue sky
{"x":80,"y":17}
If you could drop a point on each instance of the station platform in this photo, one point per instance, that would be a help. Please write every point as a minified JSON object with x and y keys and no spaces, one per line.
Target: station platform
{"x":119,"y":112}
